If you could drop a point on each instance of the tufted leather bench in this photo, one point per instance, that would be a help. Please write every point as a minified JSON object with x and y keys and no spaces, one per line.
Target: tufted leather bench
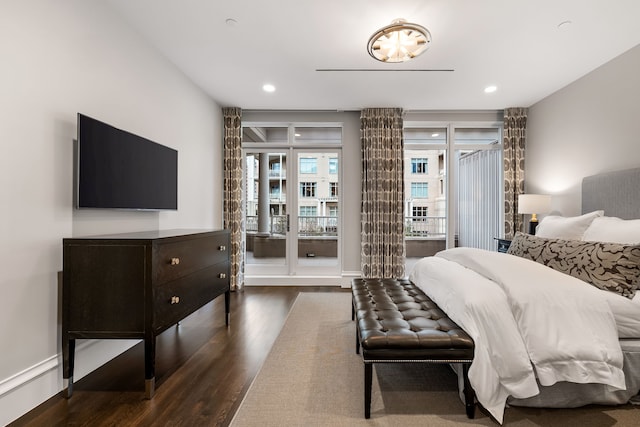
{"x":397,"y":322}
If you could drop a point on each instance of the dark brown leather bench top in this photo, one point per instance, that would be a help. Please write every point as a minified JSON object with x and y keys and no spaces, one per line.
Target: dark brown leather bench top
{"x":396,"y":320}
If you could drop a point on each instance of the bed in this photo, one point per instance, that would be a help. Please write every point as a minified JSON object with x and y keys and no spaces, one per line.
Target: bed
{"x":556,"y":319}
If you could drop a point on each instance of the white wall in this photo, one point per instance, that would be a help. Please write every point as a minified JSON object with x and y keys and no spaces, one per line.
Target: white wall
{"x":588,"y":127}
{"x":60,"y":58}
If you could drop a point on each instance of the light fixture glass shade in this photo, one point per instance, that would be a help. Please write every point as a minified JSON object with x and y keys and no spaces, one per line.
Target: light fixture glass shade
{"x":399,"y":42}
{"x":534,"y":203}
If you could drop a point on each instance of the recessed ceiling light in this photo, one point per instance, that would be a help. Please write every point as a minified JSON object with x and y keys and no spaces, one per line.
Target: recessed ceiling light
{"x":490,"y":89}
{"x":435,"y":135}
{"x":296,"y":134}
{"x":269,"y":88}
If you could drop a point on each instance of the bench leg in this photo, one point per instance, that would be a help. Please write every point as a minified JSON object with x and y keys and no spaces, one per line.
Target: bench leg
{"x":469,"y":394}
{"x":368,"y":374}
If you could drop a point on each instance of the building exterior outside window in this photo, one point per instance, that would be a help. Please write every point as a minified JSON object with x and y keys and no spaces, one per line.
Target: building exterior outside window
{"x":333,"y":189}
{"x":333,"y":165}
{"x":420,"y":213}
{"x":419,"y":165}
{"x":308,"y":189}
{"x":308,"y":211}
{"x":419,"y":190}
{"x":308,"y":165}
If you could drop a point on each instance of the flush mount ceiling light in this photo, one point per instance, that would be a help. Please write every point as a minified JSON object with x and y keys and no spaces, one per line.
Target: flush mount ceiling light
{"x":399,"y":42}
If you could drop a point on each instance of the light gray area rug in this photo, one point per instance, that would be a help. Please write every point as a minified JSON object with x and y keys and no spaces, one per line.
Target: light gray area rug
{"x":313,"y":377}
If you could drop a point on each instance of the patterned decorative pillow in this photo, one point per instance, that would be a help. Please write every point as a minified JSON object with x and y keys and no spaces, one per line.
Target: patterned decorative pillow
{"x":608,"y":266}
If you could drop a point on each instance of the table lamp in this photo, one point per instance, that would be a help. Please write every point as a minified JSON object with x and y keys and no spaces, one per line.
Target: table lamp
{"x":534,"y":204}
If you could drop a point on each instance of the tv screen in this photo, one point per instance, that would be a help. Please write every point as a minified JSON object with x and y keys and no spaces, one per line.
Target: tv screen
{"x":119,"y":170}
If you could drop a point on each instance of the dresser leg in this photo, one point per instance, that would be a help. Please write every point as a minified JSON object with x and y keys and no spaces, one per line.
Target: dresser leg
{"x":149,"y":388}
{"x":149,"y":367}
{"x":68,"y":354}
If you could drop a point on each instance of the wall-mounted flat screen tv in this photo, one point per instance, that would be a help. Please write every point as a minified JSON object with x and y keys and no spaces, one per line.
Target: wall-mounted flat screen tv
{"x":116,"y":169}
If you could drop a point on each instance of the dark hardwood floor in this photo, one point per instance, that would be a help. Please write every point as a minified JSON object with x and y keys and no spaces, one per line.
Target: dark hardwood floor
{"x":203,"y":369}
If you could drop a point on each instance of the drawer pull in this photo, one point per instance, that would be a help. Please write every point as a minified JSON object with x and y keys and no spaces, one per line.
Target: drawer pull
{"x":175,"y":261}
{"x":222,"y":275}
{"x":175,"y":300}
{"x":222,"y":248}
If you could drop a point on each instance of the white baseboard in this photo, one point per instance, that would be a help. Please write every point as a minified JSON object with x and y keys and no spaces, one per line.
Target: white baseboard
{"x":348,"y":276}
{"x":292,"y":281}
{"x":25,"y":390}
{"x":343,"y":280}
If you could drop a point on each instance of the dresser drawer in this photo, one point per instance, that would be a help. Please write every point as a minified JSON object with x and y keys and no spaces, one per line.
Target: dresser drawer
{"x":178,"y":259}
{"x":176,"y":299}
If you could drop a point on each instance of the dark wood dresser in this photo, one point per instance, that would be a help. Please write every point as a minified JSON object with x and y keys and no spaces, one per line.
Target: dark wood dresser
{"x":136,"y":285}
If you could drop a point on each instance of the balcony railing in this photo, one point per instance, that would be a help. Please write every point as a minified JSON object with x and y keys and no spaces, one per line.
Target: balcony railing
{"x":277,"y":224}
{"x":317,"y":226}
{"x":307,"y":225}
{"x":425,"y":226}
{"x":414,"y":226}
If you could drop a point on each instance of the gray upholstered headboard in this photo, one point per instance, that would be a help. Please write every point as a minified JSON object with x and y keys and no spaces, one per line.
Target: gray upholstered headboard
{"x":618,"y":193}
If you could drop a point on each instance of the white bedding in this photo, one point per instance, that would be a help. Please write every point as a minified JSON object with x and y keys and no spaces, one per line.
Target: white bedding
{"x":626,"y":312}
{"x":512,"y":308}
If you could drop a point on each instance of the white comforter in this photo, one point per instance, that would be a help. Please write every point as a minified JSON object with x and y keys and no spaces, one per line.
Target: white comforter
{"x":527,"y":321}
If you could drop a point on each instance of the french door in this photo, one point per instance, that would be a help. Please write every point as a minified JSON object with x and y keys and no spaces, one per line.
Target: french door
{"x":453,"y":187}
{"x":292,"y":202}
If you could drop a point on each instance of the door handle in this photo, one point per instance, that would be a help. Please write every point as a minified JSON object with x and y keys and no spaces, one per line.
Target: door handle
{"x":288,"y":223}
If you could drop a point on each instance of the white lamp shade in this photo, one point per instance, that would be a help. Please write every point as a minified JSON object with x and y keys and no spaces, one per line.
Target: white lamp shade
{"x":534,"y":203}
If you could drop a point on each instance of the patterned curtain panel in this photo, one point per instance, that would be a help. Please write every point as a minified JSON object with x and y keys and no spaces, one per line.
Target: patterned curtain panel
{"x":515,"y":129}
{"x":382,"y":221}
{"x":233,"y":206}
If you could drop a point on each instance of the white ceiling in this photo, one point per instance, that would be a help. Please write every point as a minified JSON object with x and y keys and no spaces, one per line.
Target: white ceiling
{"x":516,"y":45}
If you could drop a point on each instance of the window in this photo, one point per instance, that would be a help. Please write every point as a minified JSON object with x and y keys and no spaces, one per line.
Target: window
{"x":274,"y":190}
{"x":420,"y":213}
{"x":308,"y":165}
{"x":419,"y":190}
{"x":453,"y":185}
{"x":333,"y":165}
{"x":308,"y":189}
{"x":308,"y":211}
{"x":333,"y":189}
{"x":419,"y":165}
{"x":333,"y":211}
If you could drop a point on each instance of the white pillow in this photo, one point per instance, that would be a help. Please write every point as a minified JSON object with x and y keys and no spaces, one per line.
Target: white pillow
{"x":566,"y":228}
{"x":613,"y":230}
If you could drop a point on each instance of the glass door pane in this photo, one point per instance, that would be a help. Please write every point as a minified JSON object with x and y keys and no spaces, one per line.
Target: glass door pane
{"x":479,"y":189}
{"x":317,"y":215}
{"x":425,"y":176}
{"x":266,"y":212}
